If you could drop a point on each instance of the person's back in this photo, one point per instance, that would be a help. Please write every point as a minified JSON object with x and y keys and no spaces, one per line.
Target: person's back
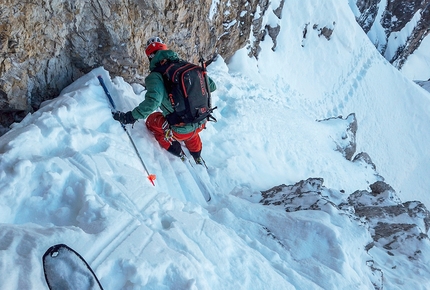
{"x":168,"y":135}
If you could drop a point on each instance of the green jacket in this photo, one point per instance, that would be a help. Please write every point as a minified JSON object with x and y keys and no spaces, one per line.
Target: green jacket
{"x":156,"y":94}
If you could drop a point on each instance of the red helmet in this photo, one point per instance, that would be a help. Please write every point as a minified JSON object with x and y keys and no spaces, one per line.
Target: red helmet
{"x":154,"y":44}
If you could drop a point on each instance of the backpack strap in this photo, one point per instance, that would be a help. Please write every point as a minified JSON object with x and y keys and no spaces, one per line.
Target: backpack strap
{"x":163,"y":68}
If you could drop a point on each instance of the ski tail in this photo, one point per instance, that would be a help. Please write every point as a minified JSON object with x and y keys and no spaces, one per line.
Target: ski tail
{"x":64,"y":268}
{"x":198,"y":178}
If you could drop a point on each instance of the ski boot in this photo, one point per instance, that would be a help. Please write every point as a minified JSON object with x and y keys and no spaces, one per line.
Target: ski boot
{"x":200,"y":161}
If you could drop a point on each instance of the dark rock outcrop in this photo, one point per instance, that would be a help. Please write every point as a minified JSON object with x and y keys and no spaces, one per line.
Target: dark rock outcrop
{"x":396,"y":16}
{"x":398,"y":229}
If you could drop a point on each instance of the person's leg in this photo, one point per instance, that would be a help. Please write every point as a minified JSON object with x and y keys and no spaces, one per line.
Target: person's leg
{"x":154,"y":123}
{"x":192,"y":141}
{"x":194,"y":145}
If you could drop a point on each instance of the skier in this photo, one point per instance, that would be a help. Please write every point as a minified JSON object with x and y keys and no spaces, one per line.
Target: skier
{"x":168,"y":136}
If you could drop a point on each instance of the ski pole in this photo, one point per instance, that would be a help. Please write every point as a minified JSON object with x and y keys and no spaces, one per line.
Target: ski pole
{"x":204,"y":64}
{"x":151,"y":177}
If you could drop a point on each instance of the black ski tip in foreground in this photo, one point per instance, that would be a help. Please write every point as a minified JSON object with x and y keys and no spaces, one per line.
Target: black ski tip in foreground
{"x":65,"y":269}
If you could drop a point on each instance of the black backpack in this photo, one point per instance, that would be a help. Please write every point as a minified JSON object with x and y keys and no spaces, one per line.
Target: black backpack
{"x":188,"y":91}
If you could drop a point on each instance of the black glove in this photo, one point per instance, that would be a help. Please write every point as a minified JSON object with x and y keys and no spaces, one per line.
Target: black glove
{"x":124,"y":118}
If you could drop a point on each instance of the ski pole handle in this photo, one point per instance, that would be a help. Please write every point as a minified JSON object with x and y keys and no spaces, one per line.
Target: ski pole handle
{"x":102,"y":83}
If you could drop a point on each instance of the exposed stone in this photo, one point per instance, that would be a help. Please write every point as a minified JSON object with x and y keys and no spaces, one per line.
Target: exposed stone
{"x":399,"y":229}
{"x":324,"y":31}
{"x":369,"y":11}
{"x":304,"y":195}
{"x":46,"y":46}
{"x":381,"y":195}
{"x":364,"y":158}
{"x":396,"y":16}
{"x":273,"y":33}
{"x":259,"y":32}
{"x":345,"y":139}
{"x":380,"y":187}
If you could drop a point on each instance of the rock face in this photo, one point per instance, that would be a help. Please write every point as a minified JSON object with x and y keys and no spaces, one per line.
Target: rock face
{"x":44,"y":47}
{"x":345,"y":137}
{"x":399,"y":231}
{"x":413,"y":17}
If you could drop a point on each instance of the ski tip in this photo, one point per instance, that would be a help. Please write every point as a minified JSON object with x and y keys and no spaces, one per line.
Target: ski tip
{"x":53,"y":250}
{"x":152,"y":178}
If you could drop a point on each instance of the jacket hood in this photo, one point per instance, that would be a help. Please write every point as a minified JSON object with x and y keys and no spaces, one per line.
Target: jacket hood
{"x":162,"y":54}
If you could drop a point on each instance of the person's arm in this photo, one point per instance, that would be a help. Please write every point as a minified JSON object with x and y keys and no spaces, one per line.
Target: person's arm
{"x":153,"y":97}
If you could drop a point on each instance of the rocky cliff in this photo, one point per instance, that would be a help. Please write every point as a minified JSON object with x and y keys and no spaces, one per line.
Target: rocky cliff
{"x":398,"y":230}
{"x":396,"y":27}
{"x":44,"y":47}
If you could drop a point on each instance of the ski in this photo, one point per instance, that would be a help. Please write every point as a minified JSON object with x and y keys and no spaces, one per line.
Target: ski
{"x":206,"y":192}
{"x":64,"y":268}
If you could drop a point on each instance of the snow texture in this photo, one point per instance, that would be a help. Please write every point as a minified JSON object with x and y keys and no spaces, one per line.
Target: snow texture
{"x":69,"y":174}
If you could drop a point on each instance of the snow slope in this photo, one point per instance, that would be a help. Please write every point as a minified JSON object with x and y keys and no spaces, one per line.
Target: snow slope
{"x":70,"y":175}
{"x":417,"y":66}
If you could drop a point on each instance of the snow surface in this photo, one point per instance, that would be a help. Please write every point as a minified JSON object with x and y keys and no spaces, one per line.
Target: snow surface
{"x":417,"y":65}
{"x":69,"y":173}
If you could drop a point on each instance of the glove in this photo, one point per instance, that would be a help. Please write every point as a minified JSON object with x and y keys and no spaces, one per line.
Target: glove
{"x":124,"y":118}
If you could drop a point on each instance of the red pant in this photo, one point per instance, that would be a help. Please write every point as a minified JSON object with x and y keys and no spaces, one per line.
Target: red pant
{"x":192,"y":140}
